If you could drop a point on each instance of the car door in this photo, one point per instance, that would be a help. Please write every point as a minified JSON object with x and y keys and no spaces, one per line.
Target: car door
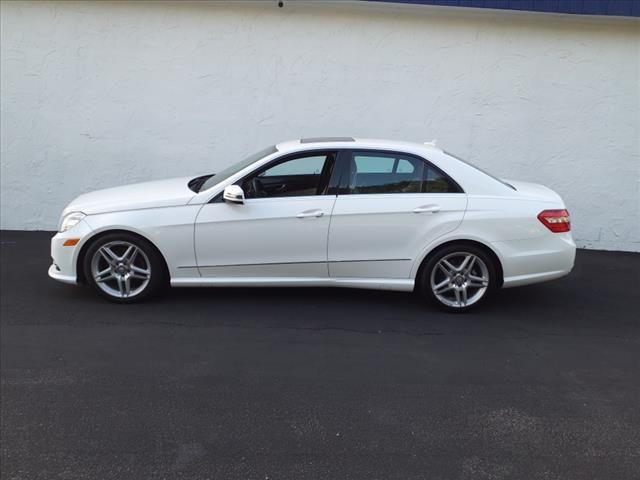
{"x":281,"y":228}
{"x":389,"y":208}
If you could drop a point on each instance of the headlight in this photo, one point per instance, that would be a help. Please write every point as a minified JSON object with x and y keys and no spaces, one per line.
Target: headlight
{"x":70,"y":220}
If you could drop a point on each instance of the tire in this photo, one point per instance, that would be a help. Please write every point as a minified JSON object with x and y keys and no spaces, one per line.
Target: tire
{"x":458,"y":278}
{"x":124,"y":268}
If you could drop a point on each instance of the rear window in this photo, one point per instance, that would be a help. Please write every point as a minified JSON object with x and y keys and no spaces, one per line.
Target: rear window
{"x":479,"y":169}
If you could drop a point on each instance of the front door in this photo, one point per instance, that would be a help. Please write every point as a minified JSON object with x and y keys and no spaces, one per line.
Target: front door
{"x":281,"y":229}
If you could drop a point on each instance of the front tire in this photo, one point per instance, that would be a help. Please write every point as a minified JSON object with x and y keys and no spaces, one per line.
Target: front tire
{"x":124,"y":268}
{"x":458,"y":278}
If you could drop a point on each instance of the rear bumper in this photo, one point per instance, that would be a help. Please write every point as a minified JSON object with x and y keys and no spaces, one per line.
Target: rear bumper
{"x":536,"y":260}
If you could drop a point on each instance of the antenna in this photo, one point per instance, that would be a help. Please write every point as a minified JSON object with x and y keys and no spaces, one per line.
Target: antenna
{"x":432,"y":143}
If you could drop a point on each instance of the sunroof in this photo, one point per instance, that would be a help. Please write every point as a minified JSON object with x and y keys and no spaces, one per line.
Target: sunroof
{"x":326,"y":139}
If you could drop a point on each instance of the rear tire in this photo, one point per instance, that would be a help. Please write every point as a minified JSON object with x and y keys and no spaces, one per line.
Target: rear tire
{"x":458,"y":278}
{"x":124,"y":268}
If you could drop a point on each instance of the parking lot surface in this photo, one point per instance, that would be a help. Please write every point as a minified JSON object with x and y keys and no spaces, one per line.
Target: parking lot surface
{"x":543,"y":382}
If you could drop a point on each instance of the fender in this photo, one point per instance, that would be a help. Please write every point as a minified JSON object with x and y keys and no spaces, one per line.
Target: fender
{"x":448,"y":238}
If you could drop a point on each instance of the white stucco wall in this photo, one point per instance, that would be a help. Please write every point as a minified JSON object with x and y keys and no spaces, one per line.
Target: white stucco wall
{"x":96,"y":94}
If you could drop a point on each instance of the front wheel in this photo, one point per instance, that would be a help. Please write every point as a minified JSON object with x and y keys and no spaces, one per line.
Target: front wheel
{"x":123,"y":268}
{"x":458,"y":278}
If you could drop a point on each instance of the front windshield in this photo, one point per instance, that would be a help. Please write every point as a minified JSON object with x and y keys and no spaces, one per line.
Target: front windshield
{"x":236,"y":167}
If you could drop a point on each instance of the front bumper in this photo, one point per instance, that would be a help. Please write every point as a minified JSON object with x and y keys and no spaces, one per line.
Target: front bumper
{"x":64,"y":257}
{"x":54,"y":272}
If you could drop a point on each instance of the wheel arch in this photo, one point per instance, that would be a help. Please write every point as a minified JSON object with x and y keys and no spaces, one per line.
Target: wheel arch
{"x":80,"y":276}
{"x":462,"y":241}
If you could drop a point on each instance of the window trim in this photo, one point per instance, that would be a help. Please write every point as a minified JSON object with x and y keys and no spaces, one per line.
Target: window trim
{"x":344,"y":161}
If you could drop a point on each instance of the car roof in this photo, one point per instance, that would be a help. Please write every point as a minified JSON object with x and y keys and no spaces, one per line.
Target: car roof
{"x":353,"y":142}
{"x":470,"y":178}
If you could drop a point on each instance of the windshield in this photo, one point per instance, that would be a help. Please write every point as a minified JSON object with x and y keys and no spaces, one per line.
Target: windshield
{"x":235,"y":168}
{"x":479,"y":169}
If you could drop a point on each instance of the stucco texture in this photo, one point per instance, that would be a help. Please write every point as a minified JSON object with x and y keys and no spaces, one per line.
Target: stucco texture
{"x":97,"y":94}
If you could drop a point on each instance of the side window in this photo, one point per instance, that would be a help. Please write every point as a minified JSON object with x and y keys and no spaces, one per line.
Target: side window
{"x":378,"y":172}
{"x":299,"y":166}
{"x":368,"y":164}
{"x":296,"y":177}
{"x":404,"y":166}
{"x":438,"y":182}
{"x":382,"y":173}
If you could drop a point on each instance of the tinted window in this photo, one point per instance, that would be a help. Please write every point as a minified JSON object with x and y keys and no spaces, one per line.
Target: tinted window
{"x":437,"y":182}
{"x":377,"y":173}
{"x":297,"y":177}
{"x":368,"y":164}
{"x":404,"y":166}
{"x":395,"y":173}
{"x":299,"y":166}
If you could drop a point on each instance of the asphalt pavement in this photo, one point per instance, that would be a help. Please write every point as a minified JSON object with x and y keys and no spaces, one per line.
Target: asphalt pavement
{"x":543,"y":382}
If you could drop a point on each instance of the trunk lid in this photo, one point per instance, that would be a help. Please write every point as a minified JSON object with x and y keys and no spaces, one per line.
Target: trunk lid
{"x":535,"y":191}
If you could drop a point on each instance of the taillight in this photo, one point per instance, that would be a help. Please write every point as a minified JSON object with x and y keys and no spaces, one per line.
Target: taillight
{"x":555,"y":220}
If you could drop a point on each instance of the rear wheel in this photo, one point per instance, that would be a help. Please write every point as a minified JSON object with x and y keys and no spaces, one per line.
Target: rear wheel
{"x":458,"y":278}
{"x":124,"y":268}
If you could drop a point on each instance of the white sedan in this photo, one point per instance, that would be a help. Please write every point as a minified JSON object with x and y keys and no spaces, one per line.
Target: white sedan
{"x":339,"y":212}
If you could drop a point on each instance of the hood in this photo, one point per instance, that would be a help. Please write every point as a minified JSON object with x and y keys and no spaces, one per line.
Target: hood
{"x":535,"y":191}
{"x":161,"y":193}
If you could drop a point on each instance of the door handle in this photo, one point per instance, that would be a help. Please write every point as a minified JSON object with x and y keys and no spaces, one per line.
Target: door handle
{"x":310,"y":213}
{"x":427,"y":208}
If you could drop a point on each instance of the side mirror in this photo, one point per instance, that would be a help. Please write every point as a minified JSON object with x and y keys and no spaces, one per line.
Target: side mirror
{"x":233,"y":194}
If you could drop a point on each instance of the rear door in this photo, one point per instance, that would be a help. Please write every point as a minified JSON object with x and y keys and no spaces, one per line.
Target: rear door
{"x":390,"y":206}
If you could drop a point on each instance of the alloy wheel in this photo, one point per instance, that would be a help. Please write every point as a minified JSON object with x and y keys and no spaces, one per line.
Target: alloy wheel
{"x":459,"y":279}
{"x":121,"y":269}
